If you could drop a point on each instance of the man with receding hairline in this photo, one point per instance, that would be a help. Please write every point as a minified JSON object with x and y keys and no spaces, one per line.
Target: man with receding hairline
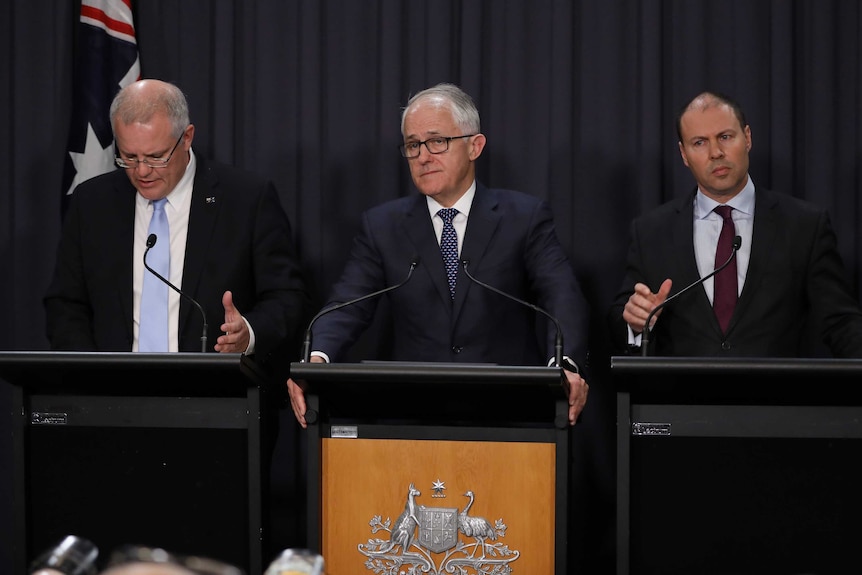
{"x":789,"y":273}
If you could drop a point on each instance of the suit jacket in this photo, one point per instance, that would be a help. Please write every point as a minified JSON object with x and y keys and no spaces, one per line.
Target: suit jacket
{"x":511,"y":244}
{"x":795,"y":286}
{"x":239,"y":239}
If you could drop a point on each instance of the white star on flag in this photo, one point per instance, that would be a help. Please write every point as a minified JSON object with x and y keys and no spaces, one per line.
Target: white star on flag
{"x":106,"y":59}
{"x":94,"y":161}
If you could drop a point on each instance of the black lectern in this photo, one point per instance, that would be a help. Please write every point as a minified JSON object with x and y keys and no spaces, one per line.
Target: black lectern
{"x":454,"y":446}
{"x":738,"y":465}
{"x":153,"y":449}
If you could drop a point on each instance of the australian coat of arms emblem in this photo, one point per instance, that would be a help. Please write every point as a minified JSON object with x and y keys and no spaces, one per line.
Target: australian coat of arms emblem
{"x":438,"y":540}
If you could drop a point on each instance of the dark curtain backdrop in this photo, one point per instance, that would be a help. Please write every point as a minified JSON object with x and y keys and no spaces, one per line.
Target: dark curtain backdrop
{"x":577,"y":98}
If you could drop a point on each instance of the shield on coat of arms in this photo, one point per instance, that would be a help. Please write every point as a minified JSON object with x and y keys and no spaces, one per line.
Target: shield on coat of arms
{"x":438,"y":528}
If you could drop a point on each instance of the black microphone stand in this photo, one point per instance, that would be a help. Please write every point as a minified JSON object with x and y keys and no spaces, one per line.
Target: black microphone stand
{"x":737,"y":243}
{"x":558,"y":343}
{"x":306,"y":343}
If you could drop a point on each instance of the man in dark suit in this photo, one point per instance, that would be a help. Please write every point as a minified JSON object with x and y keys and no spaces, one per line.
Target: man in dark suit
{"x":230,"y":241}
{"x":508,"y":238}
{"x":790,"y":280}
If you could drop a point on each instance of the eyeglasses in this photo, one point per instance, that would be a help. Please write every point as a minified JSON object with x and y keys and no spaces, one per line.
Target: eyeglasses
{"x":151,"y":162}
{"x":130,"y":554}
{"x":436,"y":145}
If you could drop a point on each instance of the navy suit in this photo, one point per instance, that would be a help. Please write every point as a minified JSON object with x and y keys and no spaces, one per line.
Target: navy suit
{"x":239,"y":239}
{"x":795,"y":287}
{"x":511,"y":244}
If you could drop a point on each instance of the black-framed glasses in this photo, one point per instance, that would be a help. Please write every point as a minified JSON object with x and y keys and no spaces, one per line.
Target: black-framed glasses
{"x":127,"y":163}
{"x":435,"y":145}
{"x":132,"y":554}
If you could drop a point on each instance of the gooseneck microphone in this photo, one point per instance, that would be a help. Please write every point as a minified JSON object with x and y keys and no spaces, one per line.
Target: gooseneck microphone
{"x":558,"y":343}
{"x":737,"y":243}
{"x":306,"y":343}
{"x":151,"y":241}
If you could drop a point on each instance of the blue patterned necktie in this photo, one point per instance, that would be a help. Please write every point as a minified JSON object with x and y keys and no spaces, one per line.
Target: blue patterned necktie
{"x":449,"y":247}
{"x":153,"y":332}
{"x":726,"y":288}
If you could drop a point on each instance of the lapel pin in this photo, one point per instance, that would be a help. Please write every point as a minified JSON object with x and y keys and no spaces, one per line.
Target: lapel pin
{"x":211,"y":200}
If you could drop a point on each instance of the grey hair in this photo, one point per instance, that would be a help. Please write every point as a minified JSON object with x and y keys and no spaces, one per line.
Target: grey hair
{"x":450,"y":96}
{"x":132,"y":105}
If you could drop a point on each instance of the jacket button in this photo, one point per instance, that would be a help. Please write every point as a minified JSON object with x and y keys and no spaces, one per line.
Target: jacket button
{"x":725,"y":346}
{"x":456,"y":349}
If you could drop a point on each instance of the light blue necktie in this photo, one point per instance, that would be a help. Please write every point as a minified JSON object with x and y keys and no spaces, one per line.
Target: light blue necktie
{"x":153,"y":332}
{"x":449,"y":247}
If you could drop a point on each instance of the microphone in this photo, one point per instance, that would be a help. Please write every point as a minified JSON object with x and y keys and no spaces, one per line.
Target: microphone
{"x":737,"y":243}
{"x":306,"y":344}
{"x":558,"y":344}
{"x":151,"y":241}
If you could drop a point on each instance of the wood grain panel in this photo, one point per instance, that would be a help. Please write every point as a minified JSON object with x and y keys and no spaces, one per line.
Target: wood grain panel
{"x":511,"y":481}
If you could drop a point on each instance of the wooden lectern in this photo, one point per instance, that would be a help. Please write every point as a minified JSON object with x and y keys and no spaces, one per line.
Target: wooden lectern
{"x":436,"y":467}
{"x":738,"y":465}
{"x":154,"y":449}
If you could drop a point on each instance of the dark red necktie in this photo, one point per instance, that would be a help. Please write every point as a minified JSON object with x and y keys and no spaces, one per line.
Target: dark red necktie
{"x":726,"y":290}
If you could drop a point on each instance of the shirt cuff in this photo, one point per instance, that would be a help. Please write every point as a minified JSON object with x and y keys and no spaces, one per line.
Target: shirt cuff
{"x":250,"y":349}
{"x":568,"y":364}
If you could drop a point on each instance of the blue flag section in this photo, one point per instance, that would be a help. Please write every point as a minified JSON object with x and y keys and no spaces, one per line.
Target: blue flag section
{"x":106,"y":59}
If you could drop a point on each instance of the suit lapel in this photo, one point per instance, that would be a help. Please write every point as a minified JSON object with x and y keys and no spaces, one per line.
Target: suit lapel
{"x":683,"y":238}
{"x":203,"y":212}
{"x":481,"y":225}
{"x":763,"y":237}
{"x":123,"y":202}
{"x":420,"y":230}
{"x":683,"y":245}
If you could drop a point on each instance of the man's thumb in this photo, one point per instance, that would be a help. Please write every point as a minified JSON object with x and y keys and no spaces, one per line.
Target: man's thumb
{"x":227,"y":300}
{"x":664,"y":289}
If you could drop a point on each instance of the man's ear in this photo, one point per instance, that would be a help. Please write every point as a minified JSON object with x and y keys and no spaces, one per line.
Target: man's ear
{"x":682,"y":154}
{"x":477,"y":144}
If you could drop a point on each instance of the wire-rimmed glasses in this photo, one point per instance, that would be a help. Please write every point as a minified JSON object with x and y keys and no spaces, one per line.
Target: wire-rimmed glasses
{"x":435,"y":145}
{"x":127,"y":163}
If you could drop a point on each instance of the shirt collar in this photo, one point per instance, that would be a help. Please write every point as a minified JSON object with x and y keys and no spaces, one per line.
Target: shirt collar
{"x":742,"y":202}
{"x":462,"y":205}
{"x":179,"y":195}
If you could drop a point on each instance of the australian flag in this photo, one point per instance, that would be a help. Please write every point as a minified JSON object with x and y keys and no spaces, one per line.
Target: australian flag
{"x":106,"y":60}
